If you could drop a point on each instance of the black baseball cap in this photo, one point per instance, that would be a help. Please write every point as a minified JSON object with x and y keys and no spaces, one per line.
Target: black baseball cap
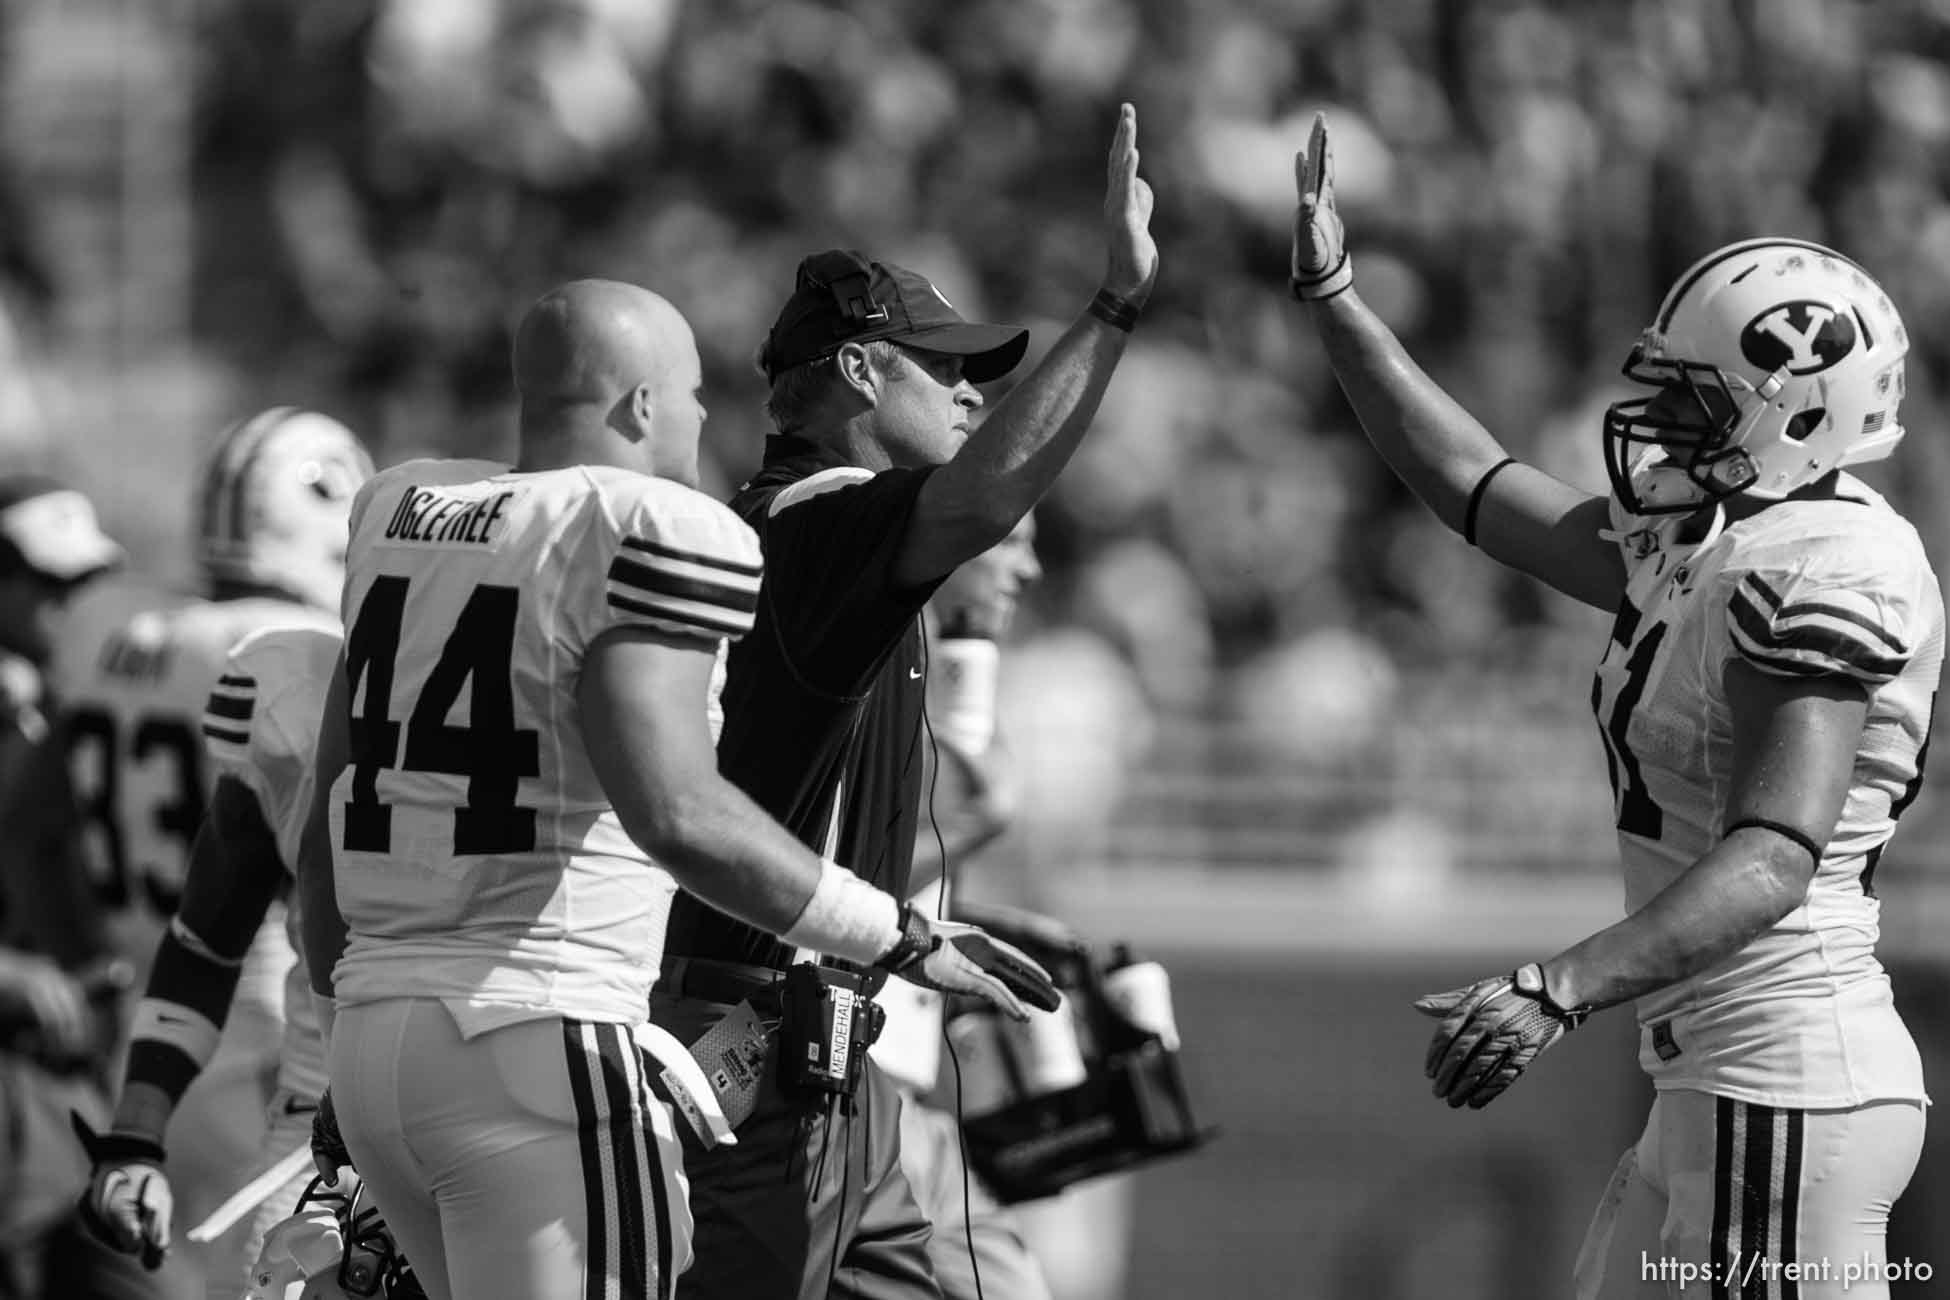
{"x":840,"y":297}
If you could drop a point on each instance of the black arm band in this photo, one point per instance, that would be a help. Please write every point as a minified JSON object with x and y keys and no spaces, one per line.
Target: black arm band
{"x":1119,"y":313}
{"x":1784,"y":831}
{"x":1476,"y":497}
{"x":180,"y":1018}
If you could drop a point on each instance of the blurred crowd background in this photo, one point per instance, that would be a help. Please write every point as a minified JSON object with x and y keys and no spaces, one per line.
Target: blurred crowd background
{"x":1252,"y":647}
{"x":1254,"y":659}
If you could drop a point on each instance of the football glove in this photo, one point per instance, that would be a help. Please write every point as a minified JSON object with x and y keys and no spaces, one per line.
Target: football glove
{"x":1321,"y":267}
{"x":128,"y":1203}
{"x":1044,"y":939}
{"x":1132,"y":265}
{"x":953,"y":958}
{"x":328,"y":1153}
{"x":1490,"y":1033}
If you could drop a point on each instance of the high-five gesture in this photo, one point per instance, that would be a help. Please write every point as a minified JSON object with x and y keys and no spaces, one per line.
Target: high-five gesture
{"x":1133,"y":261}
{"x":1320,"y":264}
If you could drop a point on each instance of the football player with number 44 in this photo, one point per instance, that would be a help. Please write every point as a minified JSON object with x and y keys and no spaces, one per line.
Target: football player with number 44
{"x":515,"y":773}
{"x":1764,"y":701}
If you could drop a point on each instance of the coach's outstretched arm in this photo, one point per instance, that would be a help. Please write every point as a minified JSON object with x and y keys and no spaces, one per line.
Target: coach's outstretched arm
{"x":1005,"y":467}
{"x":651,"y":747}
{"x":641,"y":695}
{"x":1514,"y":512}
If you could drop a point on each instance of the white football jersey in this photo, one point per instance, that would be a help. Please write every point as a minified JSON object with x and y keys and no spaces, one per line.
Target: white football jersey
{"x":261,"y":726}
{"x":1802,"y":1016}
{"x":133,"y":672}
{"x":477,"y":857}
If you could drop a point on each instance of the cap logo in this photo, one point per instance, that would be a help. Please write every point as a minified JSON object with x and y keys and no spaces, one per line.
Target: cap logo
{"x":944,"y":298}
{"x":1804,"y":336}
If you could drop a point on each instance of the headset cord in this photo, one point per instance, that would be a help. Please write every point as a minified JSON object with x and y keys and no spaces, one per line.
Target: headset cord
{"x":948,"y":870}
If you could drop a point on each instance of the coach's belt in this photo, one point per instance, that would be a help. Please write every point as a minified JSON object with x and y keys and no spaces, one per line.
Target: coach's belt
{"x":731,"y":1056}
{"x":709,"y":980}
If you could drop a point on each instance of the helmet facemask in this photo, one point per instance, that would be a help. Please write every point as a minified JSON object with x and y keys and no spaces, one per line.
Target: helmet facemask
{"x":334,"y":1246}
{"x":1677,"y":449}
{"x":1777,"y":362}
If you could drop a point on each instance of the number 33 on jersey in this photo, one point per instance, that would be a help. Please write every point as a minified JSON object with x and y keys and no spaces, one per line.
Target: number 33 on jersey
{"x":472,"y":596}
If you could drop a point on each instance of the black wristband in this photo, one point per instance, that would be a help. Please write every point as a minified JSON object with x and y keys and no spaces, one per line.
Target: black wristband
{"x":113,"y":1145}
{"x":917,"y":941}
{"x":1785,"y":831}
{"x":1119,"y":313}
{"x":1296,"y":286}
{"x":1476,"y":497}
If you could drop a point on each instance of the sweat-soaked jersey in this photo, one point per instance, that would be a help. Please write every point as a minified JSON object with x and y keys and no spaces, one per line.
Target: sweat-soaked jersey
{"x":1802,"y":1016}
{"x":261,"y":726}
{"x":477,"y":858}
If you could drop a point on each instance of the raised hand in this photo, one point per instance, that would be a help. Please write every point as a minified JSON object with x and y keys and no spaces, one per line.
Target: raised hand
{"x":1321,"y":267}
{"x":1133,"y":262}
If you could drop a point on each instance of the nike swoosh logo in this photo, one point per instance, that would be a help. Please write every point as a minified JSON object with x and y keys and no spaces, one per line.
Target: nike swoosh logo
{"x":914,"y":674}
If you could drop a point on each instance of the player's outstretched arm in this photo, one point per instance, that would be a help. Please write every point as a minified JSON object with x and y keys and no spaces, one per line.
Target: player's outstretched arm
{"x":972,"y":502}
{"x":1795,"y":741}
{"x":641,"y":700}
{"x":234,"y":873}
{"x":1514,"y":512}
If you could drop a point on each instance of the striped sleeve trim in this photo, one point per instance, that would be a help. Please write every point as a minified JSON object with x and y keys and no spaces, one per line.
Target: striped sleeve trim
{"x":1811,"y":638}
{"x":686,"y":589}
{"x":724,"y":562}
{"x":227,"y":717}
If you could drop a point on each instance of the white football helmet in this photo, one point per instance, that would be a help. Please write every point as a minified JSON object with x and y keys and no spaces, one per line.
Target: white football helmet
{"x":275,"y":504}
{"x":333,"y":1247}
{"x":1777,"y":361}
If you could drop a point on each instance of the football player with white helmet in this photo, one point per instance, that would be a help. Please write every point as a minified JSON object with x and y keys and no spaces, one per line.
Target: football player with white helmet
{"x":271,"y":528}
{"x":515,"y":773}
{"x":1764,"y":701}
{"x":334,"y":1245}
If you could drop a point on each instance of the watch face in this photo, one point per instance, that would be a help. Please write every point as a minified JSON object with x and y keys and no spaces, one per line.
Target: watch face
{"x":1530,"y":979}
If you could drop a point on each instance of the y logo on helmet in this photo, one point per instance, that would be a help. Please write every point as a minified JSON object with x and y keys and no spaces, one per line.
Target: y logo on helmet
{"x":1805,"y":336}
